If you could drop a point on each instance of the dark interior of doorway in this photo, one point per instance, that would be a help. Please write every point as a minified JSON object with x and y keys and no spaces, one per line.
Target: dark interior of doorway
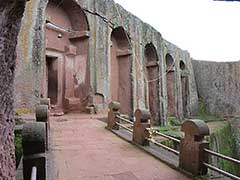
{"x":52,"y":79}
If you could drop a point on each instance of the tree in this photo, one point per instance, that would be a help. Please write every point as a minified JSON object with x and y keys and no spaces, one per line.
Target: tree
{"x":11,"y":13}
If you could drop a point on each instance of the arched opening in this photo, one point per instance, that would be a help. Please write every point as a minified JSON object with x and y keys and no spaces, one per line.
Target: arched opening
{"x":184,"y":87}
{"x":121,"y":65}
{"x":66,"y":43}
{"x":151,"y":59}
{"x":171,"y":86}
{"x":182,"y":65}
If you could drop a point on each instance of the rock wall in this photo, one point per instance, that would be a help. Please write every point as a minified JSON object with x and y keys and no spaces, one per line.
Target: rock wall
{"x":11,"y":13}
{"x":218,"y":86}
{"x":103,"y":17}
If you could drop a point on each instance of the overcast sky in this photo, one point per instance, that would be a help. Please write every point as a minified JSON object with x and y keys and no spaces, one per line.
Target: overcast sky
{"x":209,"y":30}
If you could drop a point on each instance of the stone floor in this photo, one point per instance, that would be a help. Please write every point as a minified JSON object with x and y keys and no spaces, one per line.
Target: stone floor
{"x":82,"y":149}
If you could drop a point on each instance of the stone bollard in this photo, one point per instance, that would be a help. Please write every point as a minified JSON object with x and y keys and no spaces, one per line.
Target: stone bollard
{"x":114,"y":110}
{"x":142,"y":122}
{"x":34,"y":148}
{"x":42,"y":115}
{"x":192,"y":147}
{"x":46,"y":101}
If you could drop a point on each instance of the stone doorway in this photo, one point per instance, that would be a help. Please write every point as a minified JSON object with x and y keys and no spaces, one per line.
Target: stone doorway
{"x":66,"y":37}
{"x":152,"y":67}
{"x":52,"y":79}
{"x":121,"y":68}
{"x":171,"y":86}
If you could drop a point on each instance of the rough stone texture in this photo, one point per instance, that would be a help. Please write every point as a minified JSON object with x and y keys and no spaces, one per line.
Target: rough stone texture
{"x":11,"y":13}
{"x":102,"y":18}
{"x":218,"y":86}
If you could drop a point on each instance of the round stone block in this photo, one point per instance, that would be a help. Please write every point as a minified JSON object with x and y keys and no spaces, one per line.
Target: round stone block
{"x":114,"y":106}
{"x":45,"y":101}
{"x":42,"y":113}
{"x":143,"y":115}
{"x":34,"y":138}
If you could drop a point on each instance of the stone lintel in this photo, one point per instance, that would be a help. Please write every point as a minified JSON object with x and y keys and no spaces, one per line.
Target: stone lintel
{"x":124,"y":53}
{"x":79,"y":35}
{"x":152,"y":63}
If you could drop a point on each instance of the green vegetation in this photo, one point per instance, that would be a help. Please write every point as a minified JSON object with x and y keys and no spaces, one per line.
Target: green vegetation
{"x":21,"y":111}
{"x":173,"y":121}
{"x":18,"y":140}
{"x":18,"y":147}
{"x":204,"y":115}
{"x":223,"y":142}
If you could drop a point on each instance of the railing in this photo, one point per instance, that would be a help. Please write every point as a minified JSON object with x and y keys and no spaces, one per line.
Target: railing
{"x":124,"y":125}
{"x":193,"y":150}
{"x":34,"y":173}
{"x":152,"y":140}
{"x":225,"y":173}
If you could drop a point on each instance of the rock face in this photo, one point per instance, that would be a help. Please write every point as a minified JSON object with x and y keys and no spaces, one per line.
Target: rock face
{"x":10,"y":19}
{"x":101,"y":53}
{"x":218,"y":86}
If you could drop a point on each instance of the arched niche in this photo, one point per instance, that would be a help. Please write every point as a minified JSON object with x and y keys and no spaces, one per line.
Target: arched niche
{"x":151,"y":59}
{"x":184,"y":87}
{"x":182,"y":66}
{"x":170,"y":85}
{"x":66,"y":43}
{"x":121,"y":65}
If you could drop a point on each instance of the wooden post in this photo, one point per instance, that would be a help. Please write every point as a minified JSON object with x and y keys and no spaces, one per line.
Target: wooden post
{"x":142,"y":122}
{"x":192,"y":147}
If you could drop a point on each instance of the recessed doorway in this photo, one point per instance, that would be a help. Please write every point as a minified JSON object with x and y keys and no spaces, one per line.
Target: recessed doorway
{"x":52,"y":79}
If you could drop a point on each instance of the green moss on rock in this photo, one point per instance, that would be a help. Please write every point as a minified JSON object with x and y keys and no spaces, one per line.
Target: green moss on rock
{"x":224,"y":142}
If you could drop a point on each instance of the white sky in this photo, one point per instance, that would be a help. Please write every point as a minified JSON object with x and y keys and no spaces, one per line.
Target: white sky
{"x":209,"y":30}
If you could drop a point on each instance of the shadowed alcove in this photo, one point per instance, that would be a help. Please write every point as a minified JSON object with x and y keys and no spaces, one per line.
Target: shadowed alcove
{"x":152,"y":67}
{"x":170,"y":85}
{"x":121,"y":65}
{"x":184,"y":87}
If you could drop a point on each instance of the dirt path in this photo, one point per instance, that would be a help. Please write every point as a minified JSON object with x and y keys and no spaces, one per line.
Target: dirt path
{"x":82,"y":149}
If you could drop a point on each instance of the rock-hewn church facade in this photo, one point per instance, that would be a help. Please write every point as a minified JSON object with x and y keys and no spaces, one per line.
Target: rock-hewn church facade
{"x":84,"y":54}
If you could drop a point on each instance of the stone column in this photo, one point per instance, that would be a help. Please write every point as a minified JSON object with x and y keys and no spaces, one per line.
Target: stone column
{"x":192,"y":147}
{"x":142,"y":122}
{"x":114,"y":110}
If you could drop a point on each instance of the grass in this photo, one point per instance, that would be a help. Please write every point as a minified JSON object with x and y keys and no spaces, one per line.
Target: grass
{"x":204,"y":115}
{"x":18,"y":147}
{"x":225,"y":144}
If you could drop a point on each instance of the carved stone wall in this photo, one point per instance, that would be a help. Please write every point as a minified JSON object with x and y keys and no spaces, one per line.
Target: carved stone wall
{"x":102,"y":18}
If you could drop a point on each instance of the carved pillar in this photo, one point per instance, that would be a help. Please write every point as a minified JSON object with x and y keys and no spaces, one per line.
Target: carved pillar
{"x":114,"y":110}
{"x":142,"y":122}
{"x":192,"y":146}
